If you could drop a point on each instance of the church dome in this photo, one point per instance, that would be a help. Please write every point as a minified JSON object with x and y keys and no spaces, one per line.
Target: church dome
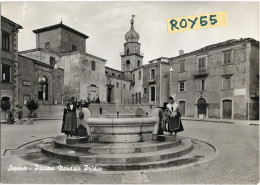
{"x":132,"y":35}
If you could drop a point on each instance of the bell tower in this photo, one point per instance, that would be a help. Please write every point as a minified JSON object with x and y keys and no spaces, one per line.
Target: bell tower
{"x":131,"y":58}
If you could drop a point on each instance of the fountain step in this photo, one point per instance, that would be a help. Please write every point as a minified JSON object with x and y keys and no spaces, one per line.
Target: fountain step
{"x":184,"y":148}
{"x":117,"y":148}
{"x":74,"y":140}
{"x":200,"y":152}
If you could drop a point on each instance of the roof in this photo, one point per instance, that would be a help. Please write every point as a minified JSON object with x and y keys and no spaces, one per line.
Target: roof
{"x":83,"y":53}
{"x":160,"y":58}
{"x":114,"y":69}
{"x":8,"y":20}
{"x":37,"y":61}
{"x":60,"y":25}
{"x":39,"y":49}
{"x":220,"y":44}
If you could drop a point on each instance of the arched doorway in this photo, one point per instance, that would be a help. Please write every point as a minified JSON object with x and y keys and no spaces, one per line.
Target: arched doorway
{"x":43,"y":88}
{"x":227,"y":109}
{"x":6,"y":105}
{"x":202,"y":106}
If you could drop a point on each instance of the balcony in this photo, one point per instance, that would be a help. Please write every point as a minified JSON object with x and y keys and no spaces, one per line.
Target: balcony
{"x":201,"y":72}
{"x":151,"y":80}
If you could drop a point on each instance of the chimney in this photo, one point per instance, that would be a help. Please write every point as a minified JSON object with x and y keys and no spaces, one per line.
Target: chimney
{"x":181,"y":52}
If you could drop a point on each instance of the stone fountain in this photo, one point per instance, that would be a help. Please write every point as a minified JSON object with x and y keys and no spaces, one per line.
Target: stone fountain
{"x":119,"y":143}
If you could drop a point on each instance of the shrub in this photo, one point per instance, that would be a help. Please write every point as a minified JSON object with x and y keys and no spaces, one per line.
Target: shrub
{"x":32,"y":105}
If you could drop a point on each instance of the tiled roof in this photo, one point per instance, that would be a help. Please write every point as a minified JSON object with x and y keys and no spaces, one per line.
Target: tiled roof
{"x":12,"y":22}
{"x":220,"y":44}
{"x":48,"y":28}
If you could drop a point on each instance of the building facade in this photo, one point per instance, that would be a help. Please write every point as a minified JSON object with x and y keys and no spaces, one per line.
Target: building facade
{"x":218,"y":81}
{"x":9,"y":61}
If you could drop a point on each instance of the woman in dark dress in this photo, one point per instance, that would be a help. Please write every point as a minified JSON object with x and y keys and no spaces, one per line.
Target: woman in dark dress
{"x":174,"y":117}
{"x":69,"y":124}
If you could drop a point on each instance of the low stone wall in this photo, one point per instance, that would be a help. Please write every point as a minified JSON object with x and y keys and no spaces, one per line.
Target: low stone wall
{"x":46,"y":112}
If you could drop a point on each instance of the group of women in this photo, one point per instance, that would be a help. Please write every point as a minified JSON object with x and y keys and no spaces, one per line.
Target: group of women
{"x":171,"y":122}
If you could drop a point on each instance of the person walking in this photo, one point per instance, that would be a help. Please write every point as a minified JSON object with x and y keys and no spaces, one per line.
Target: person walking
{"x":100,"y":110}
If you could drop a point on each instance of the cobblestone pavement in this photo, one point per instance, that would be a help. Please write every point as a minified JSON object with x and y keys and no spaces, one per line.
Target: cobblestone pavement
{"x":238,"y":161}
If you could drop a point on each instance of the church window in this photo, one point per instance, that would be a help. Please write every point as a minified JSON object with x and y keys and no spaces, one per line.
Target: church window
{"x":74,"y":48}
{"x":47,"y":45}
{"x":138,"y":63}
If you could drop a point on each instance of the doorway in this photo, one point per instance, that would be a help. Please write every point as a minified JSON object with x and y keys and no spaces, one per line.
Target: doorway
{"x":227,"y":109}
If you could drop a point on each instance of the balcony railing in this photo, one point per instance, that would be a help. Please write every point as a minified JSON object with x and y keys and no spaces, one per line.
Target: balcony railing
{"x":201,"y":71}
{"x":136,"y":52}
{"x":151,"y":80}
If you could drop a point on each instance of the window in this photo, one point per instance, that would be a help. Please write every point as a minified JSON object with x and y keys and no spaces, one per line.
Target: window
{"x":117,"y":85}
{"x":119,"y":76}
{"x":127,"y":51}
{"x":5,"y":41}
{"x":133,"y":77}
{"x":127,"y":67}
{"x":152,"y":73}
{"x":52,"y":61}
{"x":140,"y":75}
{"x":152,"y":90}
{"x":113,"y":74}
{"x":202,"y":64}
{"x":145,"y":90}
{"x":93,"y":65}
{"x":124,"y":86}
{"x":227,"y":82}
{"x":138,"y":63}
{"x":130,"y":87}
{"x":181,"y":86}
{"x":6,"y":73}
{"x":74,"y":48}
{"x":43,"y":88}
{"x":182,"y":65}
{"x":106,"y":72}
{"x":47,"y":45}
{"x":26,"y":97}
{"x":227,"y":57}
{"x":201,"y":85}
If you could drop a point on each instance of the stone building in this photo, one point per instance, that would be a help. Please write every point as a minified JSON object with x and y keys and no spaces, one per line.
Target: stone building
{"x":156,"y":78}
{"x":64,"y":47}
{"x":118,"y":88}
{"x":218,"y":81}
{"x":39,"y":81}
{"x":9,"y":61}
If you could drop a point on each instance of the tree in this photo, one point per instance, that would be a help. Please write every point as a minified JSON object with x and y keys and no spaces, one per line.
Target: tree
{"x":32,"y":105}
{"x":6,"y":105}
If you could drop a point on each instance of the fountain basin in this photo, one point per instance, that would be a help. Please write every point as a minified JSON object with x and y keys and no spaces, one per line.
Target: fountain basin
{"x":121,"y":129}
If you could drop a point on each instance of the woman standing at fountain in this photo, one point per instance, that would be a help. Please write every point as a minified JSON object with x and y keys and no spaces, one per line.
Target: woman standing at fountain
{"x":174,"y":117}
{"x":69,"y":121}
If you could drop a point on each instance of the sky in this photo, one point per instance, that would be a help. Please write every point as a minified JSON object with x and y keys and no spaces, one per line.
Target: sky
{"x":106,"y":24}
